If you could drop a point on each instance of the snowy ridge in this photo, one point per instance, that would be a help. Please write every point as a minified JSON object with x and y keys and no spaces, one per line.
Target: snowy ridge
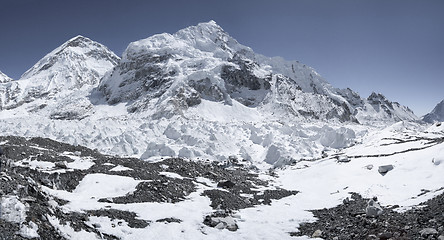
{"x":436,"y":115}
{"x":4,"y":78}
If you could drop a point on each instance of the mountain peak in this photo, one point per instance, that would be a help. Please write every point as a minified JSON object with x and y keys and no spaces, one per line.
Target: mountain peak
{"x":208,"y":30}
{"x":77,"y":40}
{"x":209,"y":25}
{"x":375,"y":96}
{"x":192,"y":41}
{"x":79,"y":37}
{"x":437,"y":114}
{"x":77,"y":49}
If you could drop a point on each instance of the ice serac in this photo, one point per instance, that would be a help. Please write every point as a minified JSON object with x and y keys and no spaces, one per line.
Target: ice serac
{"x":76,"y":63}
{"x":4,"y":78}
{"x":436,"y":115}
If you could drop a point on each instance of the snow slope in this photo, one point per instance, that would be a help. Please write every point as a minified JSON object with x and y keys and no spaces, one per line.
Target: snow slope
{"x":436,"y":115}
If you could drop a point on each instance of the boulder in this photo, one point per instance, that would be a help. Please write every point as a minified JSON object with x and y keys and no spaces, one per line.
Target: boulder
{"x":385,"y":169}
{"x":427,"y":232}
{"x":226,"y":222}
{"x":225,"y":184}
{"x":373,"y":208}
{"x":343,"y":159}
{"x":61,"y":164}
{"x":317,"y":234}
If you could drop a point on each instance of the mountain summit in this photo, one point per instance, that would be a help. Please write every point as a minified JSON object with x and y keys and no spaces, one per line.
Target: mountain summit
{"x":436,"y":115}
{"x":76,"y":63}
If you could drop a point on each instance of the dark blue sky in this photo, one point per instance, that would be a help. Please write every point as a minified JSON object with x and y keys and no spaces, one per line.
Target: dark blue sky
{"x":395,"y":47}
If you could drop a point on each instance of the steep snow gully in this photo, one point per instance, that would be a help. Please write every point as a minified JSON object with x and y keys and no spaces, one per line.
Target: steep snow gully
{"x":193,"y":135}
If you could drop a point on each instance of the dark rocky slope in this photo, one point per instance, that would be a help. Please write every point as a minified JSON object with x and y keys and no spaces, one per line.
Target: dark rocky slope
{"x":349,"y":221}
{"x":25,"y":183}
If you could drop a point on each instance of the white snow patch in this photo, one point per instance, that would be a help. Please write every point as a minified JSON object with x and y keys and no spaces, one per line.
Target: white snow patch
{"x":80,"y":163}
{"x":29,"y":231}
{"x":68,"y":232}
{"x":171,"y":175}
{"x":12,"y":210}
{"x":120,"y":168}
{"x":94,"y":187}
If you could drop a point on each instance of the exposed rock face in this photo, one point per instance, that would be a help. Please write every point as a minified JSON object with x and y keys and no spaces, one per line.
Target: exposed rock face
{"x":373,"y":208}
{"x":436,"y":115}
{"x":349,"y":221}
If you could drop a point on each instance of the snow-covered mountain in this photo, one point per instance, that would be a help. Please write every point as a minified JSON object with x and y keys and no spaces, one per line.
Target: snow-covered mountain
{"x":76,"y":63}
{"x":4,"y":78}
{"x":197,"y":93}
{"x":377,"y":107}
{"x":168,"y":73}
{"x":436,"y":115}
{"x":262,"y":145}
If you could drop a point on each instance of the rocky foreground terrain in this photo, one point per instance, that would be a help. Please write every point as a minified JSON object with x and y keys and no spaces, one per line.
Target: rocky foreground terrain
{"x":350,"y":221}
{"x":32,"y":166}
